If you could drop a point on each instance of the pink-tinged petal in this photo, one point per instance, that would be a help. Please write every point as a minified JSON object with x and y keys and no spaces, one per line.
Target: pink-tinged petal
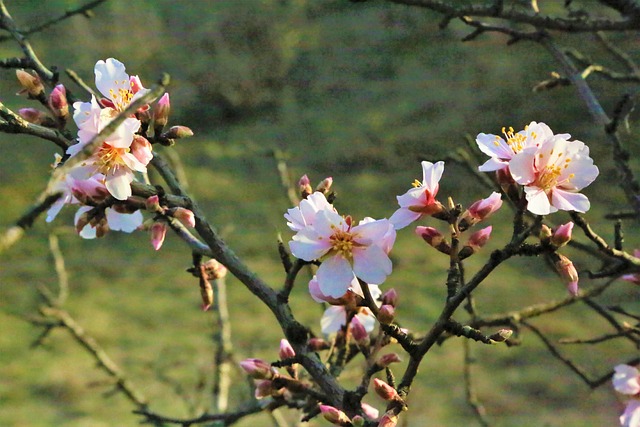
{"x":403,"y":217}
{"x":580,"y":173}
{"x":295,"y":219}
{"x":494,"y":146}
{"x":631,"y":414}
{"x":522,"y":166}
{"x":308,"y":245}
{"x":333,"y":319}
{"x":368,"y":320}
{"x":566,"y":201}
{"x":626,"y":379}
{"x":371,"y":264}
{"x":122,"y":137}
{"x":493,"y":164}
{"x":123,"y":221}
{"x":431,"y":174}
{"x":133,"y":163}
{"x":119,"y":184}
{"x":538,"y":201}
{"x":413,"y":197}
{"x":326,"y":222}
{"x":111,"y":77}
{"x":334,"y":276}
{"x":373,"y":232}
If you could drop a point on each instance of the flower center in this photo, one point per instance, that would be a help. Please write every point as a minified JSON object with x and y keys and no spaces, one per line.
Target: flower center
{"x":121,"y":97}
{"x":110,"y":158}
{"x":548,"y":177}
{"x":515,"y":140}
{"x":342,"y":243}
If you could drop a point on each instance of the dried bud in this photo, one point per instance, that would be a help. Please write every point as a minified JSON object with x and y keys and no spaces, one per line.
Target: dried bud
{"x":545,"y":233}
{"x":286,"y":351}
{"x":562,"y":235}
{"x":325,"y":185}
{"x":384,"y":390}
{"x":185,"y":216}
{"x":258,"y":369}
{"x":388,"y":359}
{"x":334,"y":415}
{"x":31,"y":83}
{"x":568,"y":272}
{"x":158,"y":233}
{"x":206,"y":290}
{"x":386,"y":314}
{"x":358,"y":331}
{"x":33,"y":115}
{"x":318,"y":344}
{"x":501,"y":336}
{"x":161,"y":114}
{"x":389,"y":419}
{"x":304,"y":186}
{"x":178,"y":132}
{"x":390,"y":297}
{"x":58,"y":102}
{"x":214,"y":270}
{"x":434,"y":238}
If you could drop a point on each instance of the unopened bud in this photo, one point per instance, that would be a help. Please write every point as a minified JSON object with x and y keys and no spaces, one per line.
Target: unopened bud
{"x":357,"y":421}
{"x":31,"y":83}
{"x":33,"y":115}
{"x":258,"y":369}
{"x":359,"y":333}
{"x":185,"y":216}
{"x":142,"y":149}
{"x":545,"y":233}
{"x":58,"y":102}
{"x":568,"y":272}
{"x":153,"y":204}
{"x":481,"y":210}
{"x":286,"y":351}
{"x":390,"y":297}
{"x":434,"y":238}
{"x":304,"y":186}
{"x":161,"y":113}
{"x":384,"y":390}
{"x":389,"y":419}
{"x":158,"y":233}
{"x":388,"y":359}
{"x":318,"y":344}
{"x":386,"y":314}
{"x":334,"y":415}
{"x":369,"y":411}
{"x":325,"y":185}
{"x":562,"y":235}
{"x":178,"y":132}
{"x":501,"y":336}
{"x":264,"y":389}
{"x":476,"y":241}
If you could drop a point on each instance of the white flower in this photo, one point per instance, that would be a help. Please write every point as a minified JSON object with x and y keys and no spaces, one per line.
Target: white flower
{"x":125,"y":222}
{"x":305,"y":213}
{"x":116,"y":85}
{"x":420,"y":200}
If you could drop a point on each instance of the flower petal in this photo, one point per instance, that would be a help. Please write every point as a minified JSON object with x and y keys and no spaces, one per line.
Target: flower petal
{"x":126,"y":222}
{"x":371,"y":264}
{"x":334,"y":276}
{"x":567,"y":201}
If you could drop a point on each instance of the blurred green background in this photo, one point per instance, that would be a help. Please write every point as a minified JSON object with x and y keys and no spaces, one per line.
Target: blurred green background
{"x":357,"y":91}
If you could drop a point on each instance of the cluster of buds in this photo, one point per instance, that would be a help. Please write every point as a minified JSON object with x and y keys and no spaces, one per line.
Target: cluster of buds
{"x":324,"y":187}
{"x":56,"y":102}
{"x":160,"y":119}
{"x":158,"y":226}
{"x":554,"y":239}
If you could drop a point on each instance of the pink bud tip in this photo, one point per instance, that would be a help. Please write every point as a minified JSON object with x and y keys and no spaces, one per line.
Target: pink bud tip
{"x":388,"y":359}
{"x":158,"y":233}
{"x":258,"y":369}
{"x":286,"y":351}
{"x":358,"y":331}
{"x":480,"y":238}
{"x":185,"y":216}
{"x":386,"y":314}
{"x":562,"y":234}
{"x":384,"y":390}
{"x":334,"y":415}
{"x":390,"y":297}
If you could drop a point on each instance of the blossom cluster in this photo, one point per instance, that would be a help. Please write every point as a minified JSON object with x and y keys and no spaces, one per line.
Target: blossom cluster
{"x":626,"y":380}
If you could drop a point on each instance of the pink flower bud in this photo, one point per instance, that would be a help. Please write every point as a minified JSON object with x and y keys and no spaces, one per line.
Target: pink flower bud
{"x":370,"y":412}
{"x":185,"y":216}
{"x":141,"y":149}
{"x":388,"y":359}
{"x":384,"y":390}
{"x":390,"y":297}
{"x":325,"y":185}
{"x":389,"y":419}
{"x":568,"y":272}
{"x":434,"y":238}
{"x":58,"y":102}
{"x":263,"y":389}
{"x":480,"y":238}
{"x":286,"y":351}
{"x":304,"y":187}
{"x":178,"y":132}
{"x":33,"y":115}
{"x":153,"y":203}
{"x":386,"y":314}
{"x":258,"y":369}
{"x":334,"y":415}
{"x":358,"y":331}
{"x":161,"y":112}
{"x":482,"y":209}
{"x":562,"y":235}
{"x":318,"y":344}
{"x":158,"y":233}
{"x":31,"y":83}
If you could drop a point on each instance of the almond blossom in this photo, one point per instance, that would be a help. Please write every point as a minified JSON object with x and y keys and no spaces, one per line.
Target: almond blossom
{"x":502,"y":150}
{"x":304,"y":214}
{"x":552,"y":175}
{"x":344,"y":250}
{"x":114,"y":157}
{"x":116,"y":85}
{"x":420,"y":200}
{"x":113,"y":220}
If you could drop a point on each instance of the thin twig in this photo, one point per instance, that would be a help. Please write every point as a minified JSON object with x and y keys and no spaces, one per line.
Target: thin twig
{"x":61,"y":271}
{"x":470,"y":392}
{"x":224,"y":346}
